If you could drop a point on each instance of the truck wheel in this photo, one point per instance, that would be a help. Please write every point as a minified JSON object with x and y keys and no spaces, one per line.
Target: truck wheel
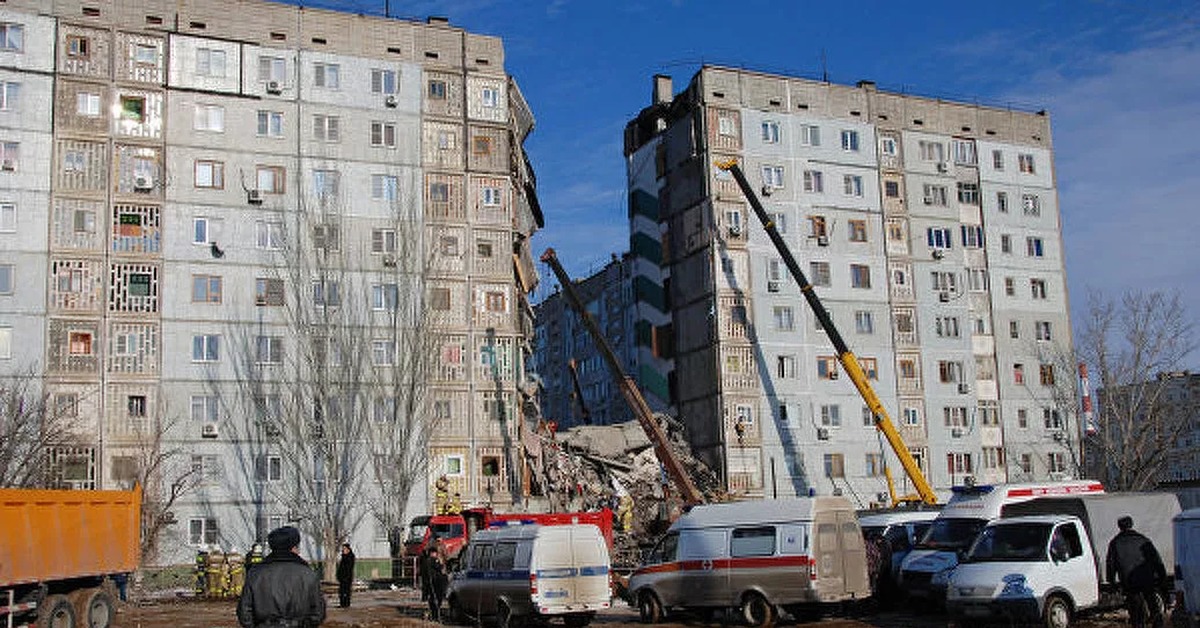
{"x":1057,"y":613}
{"x":505,"y":618}
{"x":56,"y":611}
{"x":757,"y":611}
{"x":650,"y":610}
{"x":454,"y":613}
{"x":93,"y":607}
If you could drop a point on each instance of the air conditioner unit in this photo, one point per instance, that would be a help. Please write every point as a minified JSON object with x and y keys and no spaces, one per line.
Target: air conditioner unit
{"x":822,"y":240}
{"x":766,"y":190}
{"x":254,"y":197}
{"x":389,"y":261}
{"x":938,"y":254}
{"x":273,"y":87}
{"x":8,"y":165}
{"x":956,"y":432}
{"x":390,"y":101}
{"x":964,"y":388}
{"x":772,"y":286}
{"x":942,"y":166}
{"x":944,"y":297}
{"x":833,"y":374}
{"x":143,"y":184}
{"x":208,"y":430}
{"x":822,"y":433}
{"x":735,"y":231}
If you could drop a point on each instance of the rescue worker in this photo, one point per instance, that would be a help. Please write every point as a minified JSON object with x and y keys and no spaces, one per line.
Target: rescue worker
{"x":282,"y":591}
{"x":254,"y":556}
{"x":1133,"y":561}
{"x":345,"y":575}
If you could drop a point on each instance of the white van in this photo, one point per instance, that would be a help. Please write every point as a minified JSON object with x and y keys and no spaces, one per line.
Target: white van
{"x":926,"y":569}
{"x":532,"y":571}
{"x":755,"y":556}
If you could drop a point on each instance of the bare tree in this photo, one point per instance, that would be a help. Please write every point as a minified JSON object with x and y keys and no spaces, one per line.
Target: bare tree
{"x":29,"y":427}
{"x":1130,"y":345}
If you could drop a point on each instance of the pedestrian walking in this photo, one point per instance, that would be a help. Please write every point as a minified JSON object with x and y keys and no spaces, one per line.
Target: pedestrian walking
{"x":282,"y":591}
{"x":345,"y":575}
{"x":1133,"y":561}
{"x":433,"y":581}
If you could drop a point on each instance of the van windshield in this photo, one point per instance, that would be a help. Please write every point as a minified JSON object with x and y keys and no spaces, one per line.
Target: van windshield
{"x":416,"y":532}
{"x":1022,"y":542}
{"x":447,"y":530}
{"x":951,"y":533}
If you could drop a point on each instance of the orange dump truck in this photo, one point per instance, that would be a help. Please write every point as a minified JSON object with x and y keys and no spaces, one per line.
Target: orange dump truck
{"x":59,"y":551}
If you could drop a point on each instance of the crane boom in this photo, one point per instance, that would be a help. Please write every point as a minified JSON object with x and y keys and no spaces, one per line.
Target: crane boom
{"x":847,"y":358}
{"x":645,"y":417}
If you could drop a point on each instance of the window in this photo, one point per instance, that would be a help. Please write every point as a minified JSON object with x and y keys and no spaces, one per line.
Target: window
{"x":210,"y":62}
{"x":437,"y":90}
{"x":1025,"y":163}
{"x":490,"y":97}
{"x":1056,"y":462}
{"x":78,"y":47}
{"x":269,"y":179}
{"x":831,"y":416}
{"x":79,"y":343}
{"x":8,"y":217}
{"x":864,"y":322}
{"x":931,"y":151}
{"x":272,"y":69}
{"x":850,"y":140}
{"x":325,"y":184}
{"x":269,"y":349}
{"x":780,"y":220}
{"x":495,"y":301}
{"x":958,"y":463}
{"x":383,"y":134}
{"x":810,"y":135}
{"x":1022,"y":418}
{"x":206,"y":289}
{"x":10,"y":155}
{"x":814,"y":181}
{"x":972,"y":236}
{"x":1037,"y":288}
{"x":977,"y":279}
{"x":5,"y":343}
{"x":327,"y":128}
{"x":383,"y":352}
{"x":268,"y":235}
{"x":384,"y":296}
{"x":454,"y":465}
{"x":206,"y":348}
{"x":1033,"y":247}
{"x":268,"y":291}
{"x":1005,"y":243}
{"x":968,"y":193}
{"x":816,"y":226}
{"x":87,"y":104}
{"x":887,"y":146}
{"x":268,"y":468}
{"x":835,"y":466}
{"x":955,"y":416}
{"x":1018,"y":373}
{"x":772,"y":176}
{"x":74,"y":161}
{"x":1014,"y":329}
{"x":133,"y":108}
{"x":384,"y":187}
{"x":481,"y":145}
{"x":908,"y":368}
{"x":383,"y":241}
{"x":383,"y":81}
{"x":860,"y":276}
{"x":209,"y":174}
{"x":944,"y":281}
{"x":998,"y":160}
{"x":947,"y":326}
{"x":6,"y":278}
{"x":439,"y":299}
{"x":1032,"y":204}
{"x":852,"y":185}
{"x":207,"y":118}
{"x":1041,"y":330}
{"x":1002,"y":202}
{"x":938,"y":237}
{"x":870,"y":367}
{"x":445,"y":140}
{"x":891,"y":189}
{"x":726,"y":125}
{"x":327,"y":75}
{"x":270,"y":124}
{"x":993,"y":458}
{"x":820,"y":273}
{"x":784,"y":318}
{"x":934,"y":194}
{"x":827,"y":367}
{"x":205,"y":408}
{"x":911,"y":415}
{"x":12,"y":37}
{"x":202,"y":531}
{"x":785,"y":366}
{"x":10,"y":96}
{"x":964,"y":152}
{"x":950,"y":371}
{"x":1046,"y":374}
{"x":858,"y":230}
{"x":1052,"y":419}
{"x":144,"y":54}
{"x":770,"y":132}
{"x":759,"y":541}
{"x":326,"y":293}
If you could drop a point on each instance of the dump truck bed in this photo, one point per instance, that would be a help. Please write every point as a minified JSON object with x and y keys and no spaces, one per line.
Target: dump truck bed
{"x":57,"y":535}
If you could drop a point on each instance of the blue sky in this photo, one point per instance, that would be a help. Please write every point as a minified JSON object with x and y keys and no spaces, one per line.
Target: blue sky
{"x":1121,"y":79}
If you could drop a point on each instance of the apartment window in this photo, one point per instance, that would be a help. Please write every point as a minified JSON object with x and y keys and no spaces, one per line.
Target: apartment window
{"x":780,"y":221}
{"x":860,"y":276}
{"x":6,"y":279}
{"x":74,"y":161}
{"x":831,"y":415}
{"x":816,"y":225}
{"x":270,"y":179}
{"x":850,"y":140}
{"x":8,"y":217}
{"x":814,"y":181}
{"x":908,"y":368}
{"x":327,"y":75}
{"x":1046,"y":374}
{"x":947,"y":326}
{"x":384,"y":296}
{"x":887,"y":146}
{"x":944,"y":281}
{"x":10,"y":95}
{"x":325,"y":184}
{"x":785,"y":366}
{"x":772,"y":176}
{"x":87,"y":104}
{"x":206,"y":348}
{"x":820,"y":273}
{"x":827,"y":367}
{"x":268,"y":291}
{"x":132,"y":108}
{"x":1025,"y":163}
{"x":272,"y":69}
{"x":1037,"y":288}
{"x":911,"y":415}
{"x":12,"y":37}
{"x":1005,"y":243}
{"x":268,"y":235}
{"x":327,"y":237}
{"x":1033,"y":247}
{"x":998,"y":160}
{"x":868,"y":417}
{"x":383,"y":241}
{"x":384,"y":187}
{"x":205,"y":408}
{"x":327,"y":293}
{"x":1002,"y":202}
{"x":955,"y":416}
{"x":5,"y":343}
{"x":852,"y":185}
{"x":144,"y":54}
{"x":383,"y":134}
{"x":989,"y":412}
{"x":10,"y":155}
{"x":490,"y":96}
{"x":1042,"y":330}
{"x":1032,"y":204}
{"x":210,"y":62}
{"x":1056,"y":462}
{"x":383,"y":81}
{"x":1052,"y":419}
{"x":445,"y":140}
{"x":950,"y":371}
{"x":968,"y":193}
{"x":481,"y":146}
{"x":270,"y":124}
{"x":858,"y":230}
{"x":870,"y":367}
{"x":209,"y":174}
{"x":268,"y":468}
{"x":785,"y":319}
{"x":439,"y":299}
{"x":864,"y":322}
{"x":79,"y":342}
{"x":204,"y":230}
{"x":939,"y":237}
{"x":448,"y":245}
{"x":964,"y":152}
{"x":972,"y":236}
{"x":78,"y":47}
{"x":1022,"y":418}
{"x":958,"y":463}
{"x":770,"y":132}
{"x":269,"y":349}
{"x":1014,"y":329}
{"x":835,"y":466}
{"x":495,"y":301}
{"x":934,"y":194}
{"x":725,"y":125}
{"x":891,"y":189}
{"x":327,"y":128}
{"x":383,"y":352}
{"x":206,"y":289}
{"x":1018,"y":373}
{"x":810,"y":135}
{"x":207,"y":117}
{"x":437,"y":90}
{"x":202,"y":530}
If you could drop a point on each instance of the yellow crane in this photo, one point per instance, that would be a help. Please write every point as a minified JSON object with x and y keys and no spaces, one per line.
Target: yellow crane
{"x":845,"y":356}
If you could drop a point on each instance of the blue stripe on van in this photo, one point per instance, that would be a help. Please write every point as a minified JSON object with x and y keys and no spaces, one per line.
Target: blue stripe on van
{"x":569,"y":572}
{"x":598,"y":570}
{"x":480,"y":574}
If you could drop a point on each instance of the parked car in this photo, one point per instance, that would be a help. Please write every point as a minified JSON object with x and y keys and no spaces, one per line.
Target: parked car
{"x":755,"y":557}
{"x":1051,"y":567}
{"x":520,"y":572}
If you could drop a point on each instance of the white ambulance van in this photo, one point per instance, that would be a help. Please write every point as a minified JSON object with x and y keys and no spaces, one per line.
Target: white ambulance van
{"x":926,"y":569}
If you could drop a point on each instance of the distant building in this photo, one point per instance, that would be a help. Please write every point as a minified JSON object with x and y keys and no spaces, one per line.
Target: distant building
{"x":931,"y":231}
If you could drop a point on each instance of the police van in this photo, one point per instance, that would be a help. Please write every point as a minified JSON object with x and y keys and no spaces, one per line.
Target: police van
{"x":926,"y":569}
{"x":532,"y":571}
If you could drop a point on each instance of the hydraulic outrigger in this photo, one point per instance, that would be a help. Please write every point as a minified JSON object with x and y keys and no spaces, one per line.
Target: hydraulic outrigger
{"x":654,"y":431}
{"x":847,"y":358}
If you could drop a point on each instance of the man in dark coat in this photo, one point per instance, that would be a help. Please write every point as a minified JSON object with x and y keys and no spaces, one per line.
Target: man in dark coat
{"x":345,"y":575}
{"x":1134,"y":562}
{"x":282,"y":591}
{"x":433,"y":581}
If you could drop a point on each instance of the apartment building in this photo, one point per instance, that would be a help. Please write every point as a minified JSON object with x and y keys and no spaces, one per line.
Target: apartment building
{"x":931,"y":231}
{"x":186,"y":185}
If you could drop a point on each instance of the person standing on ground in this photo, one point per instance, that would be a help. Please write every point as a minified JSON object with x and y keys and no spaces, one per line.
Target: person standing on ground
{"x":1134,"y":562}
{"x":345,"y":575}
{"x":433,"y":581}
{"x":282,"y":590}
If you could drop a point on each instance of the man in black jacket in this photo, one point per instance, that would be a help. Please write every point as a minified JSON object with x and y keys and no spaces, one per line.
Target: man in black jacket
{"x":282,"y":591}
{"x":345,"y":575}
{"x":1134,"y":562}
